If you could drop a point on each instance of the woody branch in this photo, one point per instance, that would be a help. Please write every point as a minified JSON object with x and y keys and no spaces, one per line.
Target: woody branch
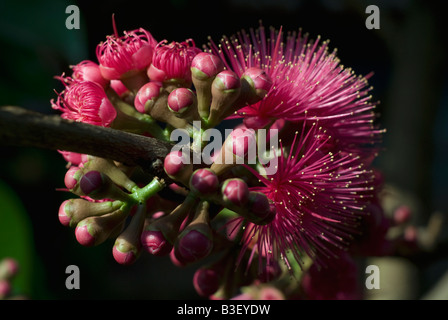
{"x":21,"y":127}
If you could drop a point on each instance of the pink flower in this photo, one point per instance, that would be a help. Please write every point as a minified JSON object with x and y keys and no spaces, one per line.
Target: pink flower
{"x":72,"y":157}
{"x":126,"y":54}
{"x":173,"y":61}
{"x":89,"y":71}
{"x":318,"y":198}
{"x":85,"y":101}
{"x":308,"y":83}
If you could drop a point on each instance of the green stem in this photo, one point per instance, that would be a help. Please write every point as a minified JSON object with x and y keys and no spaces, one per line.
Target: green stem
{"x":141,"y":195}
{"x":128,"y":117}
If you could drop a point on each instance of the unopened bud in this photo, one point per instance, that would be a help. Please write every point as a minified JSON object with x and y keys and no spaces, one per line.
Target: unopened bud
{"x":206,"y":65}
{"x":260,"y":211}
{"x":155,"y":243}
{"x":158,"y":237}
{"x":93,"y":231}
{"x":98,"y":185}
{"x":196,"y":241}
{"x":238,"y":148}
{"x":235,"y":192}
{"x":259,"y":81}
{"x":108,"y":167}
{"x":127,"y":245}
{"x":72,"y":211}
{"x":178,"y":167}
{"x":204,"y":68}
{"x":206,"y":281}
{"x":204,"y":182}
{"x":180,"y":100}
{"x":226,"y":89}
{"x":194,"y":245}
{"x":146,"y":97}
{"x":255,"y":84}
{"x":72,"y":177}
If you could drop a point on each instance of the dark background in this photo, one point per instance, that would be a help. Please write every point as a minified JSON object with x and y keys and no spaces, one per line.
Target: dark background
{"x":407,"y":55}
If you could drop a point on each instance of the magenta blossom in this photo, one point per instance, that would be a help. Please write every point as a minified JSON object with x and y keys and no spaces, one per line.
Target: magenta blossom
{"x":85,"y":101}
{"x":89,"y":71}
{"x":319,"y":198}
{"x":119,"y":56}
{"x":309,"y":83}
{"x":172,"y":61}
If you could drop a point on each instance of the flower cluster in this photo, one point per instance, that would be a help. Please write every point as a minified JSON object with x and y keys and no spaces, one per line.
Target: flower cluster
{"x":299,"y":206}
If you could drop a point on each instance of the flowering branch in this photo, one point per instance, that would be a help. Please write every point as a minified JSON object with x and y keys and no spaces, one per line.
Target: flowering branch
{"x":23,"y":127}
{"x":317,"y":208}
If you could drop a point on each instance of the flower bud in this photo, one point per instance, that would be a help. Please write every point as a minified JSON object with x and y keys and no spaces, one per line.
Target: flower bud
{"x":235,"y":192}
{"x":225,"y":90}
{"x":206,"y":281}
{"x":127,"y":245}
{"x":206,"y":65}
{"x":146,"y":97}
{"x":93,"y":231}
{"x":72,"y":177}
{"x":63,"y":214}
{"x":155,"y":243}
{"x":238,"y":148}
{"x":194,"y":245}
{"x":98,"y":185}
{"x":258,"y":80}
{"x":259,"y":210}
{"x":196,"y":241}
{"x":108,"y":167}
{"x":72,"y":211}
{"x":178,"y":262}
{"x":204,"y":182}
{"x":183,"y":103}
{"x":125,"y":253}
{"x":158,"y":238}
{"x":204,"y":68}
{"x":152,"y":99}
{"x":178,"y":167}
{"x":255,"y":84}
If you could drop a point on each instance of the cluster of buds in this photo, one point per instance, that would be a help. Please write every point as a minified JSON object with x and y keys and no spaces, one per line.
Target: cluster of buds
{"x":8,"y":269}
{"x":261,"y":212}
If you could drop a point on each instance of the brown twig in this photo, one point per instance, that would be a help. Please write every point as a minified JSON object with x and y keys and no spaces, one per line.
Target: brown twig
{"x":22,"y":127}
